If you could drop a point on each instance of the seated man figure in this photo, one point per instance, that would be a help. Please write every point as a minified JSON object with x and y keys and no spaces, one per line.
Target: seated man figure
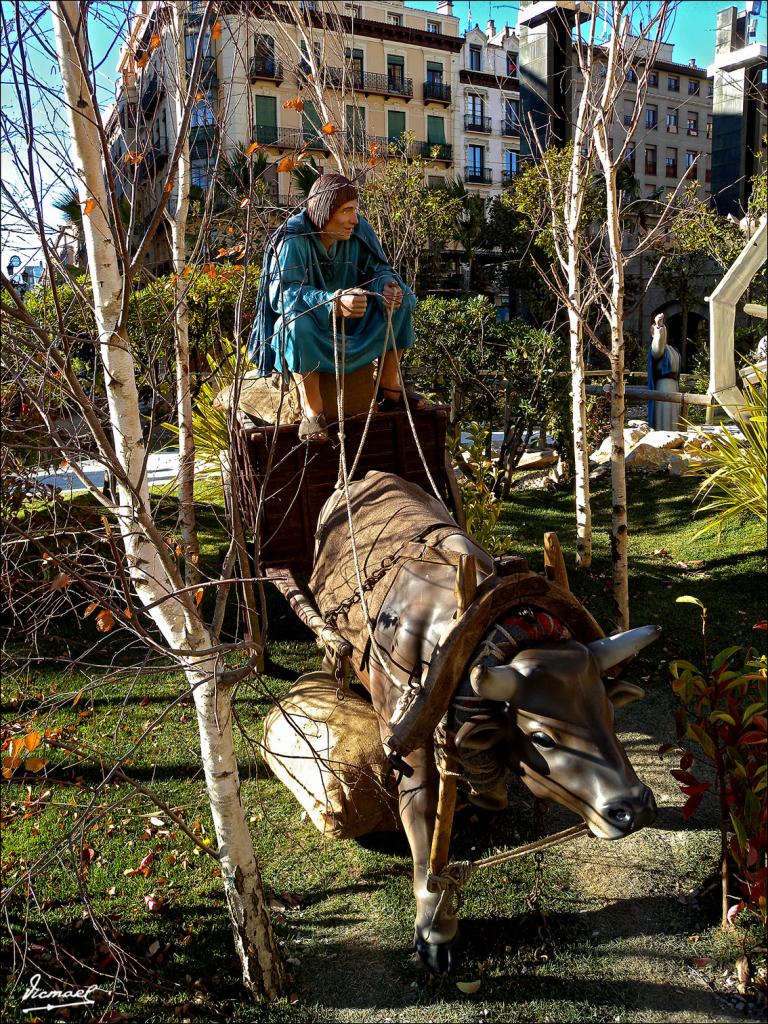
{"x":324,"y":252}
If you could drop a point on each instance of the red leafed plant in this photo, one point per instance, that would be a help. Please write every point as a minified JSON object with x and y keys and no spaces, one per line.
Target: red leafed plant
{"x":724,"y":712}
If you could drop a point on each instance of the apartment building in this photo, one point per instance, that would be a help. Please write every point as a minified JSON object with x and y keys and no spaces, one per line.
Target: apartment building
{"x":386,"y":69}
{"x":487,"y":109}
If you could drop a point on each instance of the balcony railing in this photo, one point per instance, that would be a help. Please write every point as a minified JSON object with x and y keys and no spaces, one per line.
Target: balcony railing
{"x":437,"y":92}
{"x":154,"y":160}
{"x":510,"y":127}
{"x":266,"y":67}
{"x":507,"y":177}
{"x":370,"y":84}
{"x":432,"y":151}
{"x":479,"y":175}
{"x":693,"y":129}
{"x":476,"y":123}
{"x":208,"y":76}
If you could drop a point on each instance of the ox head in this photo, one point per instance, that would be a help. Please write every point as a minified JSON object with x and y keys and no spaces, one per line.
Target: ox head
{"x":565,"y":745}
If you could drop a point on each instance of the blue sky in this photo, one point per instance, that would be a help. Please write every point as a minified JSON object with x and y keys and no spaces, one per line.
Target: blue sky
{"x":693,"y":33}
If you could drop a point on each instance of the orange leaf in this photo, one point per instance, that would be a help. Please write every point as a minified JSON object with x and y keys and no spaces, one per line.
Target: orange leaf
{"x":286,"y":164}
{"x":89,"y":206}
{"x":252,"y":148}
{"x":142,"y":61}
{"x":297,"y":103}
{"x":105,"y":621}
{"x":244,"y":203}
{"x":199,"y":96}
{"x":35,"y":764}
{"x":32,"y":740}
{"x":154,"y":42}
{"x":90,"y":609}
{"x":9,"y":766}
{"x":216,"y":30}
{"x":198,"y":595}
{"x":77,"y":699}
{"x":168,"y":188}
{"x":16,"y":746}
{"x":328,"y":129}
{"x":61,"y":582}
{"x":128,"y":614}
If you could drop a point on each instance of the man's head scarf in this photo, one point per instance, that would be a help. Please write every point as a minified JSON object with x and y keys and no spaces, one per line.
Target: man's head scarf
{"x":329,"y":192}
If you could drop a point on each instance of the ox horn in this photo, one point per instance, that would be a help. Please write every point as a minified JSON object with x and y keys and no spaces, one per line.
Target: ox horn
{"x":612,"y":649}
{"x":496,"y":682}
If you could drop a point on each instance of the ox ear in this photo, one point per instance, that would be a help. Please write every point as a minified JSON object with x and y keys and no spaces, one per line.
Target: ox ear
{"x":613,"y":649}
{"x":620,"y":693}
{"x":498,"y":682}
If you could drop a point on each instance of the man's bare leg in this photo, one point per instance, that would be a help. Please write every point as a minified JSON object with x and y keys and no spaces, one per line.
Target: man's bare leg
{"x":390,"y":379}
{"x":309,"y":393}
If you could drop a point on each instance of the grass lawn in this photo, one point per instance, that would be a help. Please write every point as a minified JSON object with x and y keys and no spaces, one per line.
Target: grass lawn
{"x":626,"y":919}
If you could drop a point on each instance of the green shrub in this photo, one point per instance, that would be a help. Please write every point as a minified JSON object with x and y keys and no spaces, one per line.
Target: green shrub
{"x":734,"y":469}
{"x":724,"y":712}
{"x":481,"y":506}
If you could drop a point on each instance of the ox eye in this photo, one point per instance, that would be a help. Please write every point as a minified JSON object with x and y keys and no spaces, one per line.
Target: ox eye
{"x":541,"y":739}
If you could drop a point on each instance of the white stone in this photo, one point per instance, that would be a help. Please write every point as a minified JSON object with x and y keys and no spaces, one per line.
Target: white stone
{"x":665,"y":438}
{"x":647,"y":458}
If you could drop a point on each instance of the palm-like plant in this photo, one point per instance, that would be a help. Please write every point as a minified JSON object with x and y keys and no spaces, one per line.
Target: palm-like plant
{"x":734,"y":470}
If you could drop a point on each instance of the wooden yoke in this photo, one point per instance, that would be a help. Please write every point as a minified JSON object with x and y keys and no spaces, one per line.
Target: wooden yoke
{"x":554,"y":562}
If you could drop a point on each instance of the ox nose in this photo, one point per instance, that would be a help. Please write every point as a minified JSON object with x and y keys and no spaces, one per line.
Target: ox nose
{"x":633,"y":813}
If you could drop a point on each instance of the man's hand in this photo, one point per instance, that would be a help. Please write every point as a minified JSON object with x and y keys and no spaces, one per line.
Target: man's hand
{"x":352,"y":302}
{"x":392,"y":295}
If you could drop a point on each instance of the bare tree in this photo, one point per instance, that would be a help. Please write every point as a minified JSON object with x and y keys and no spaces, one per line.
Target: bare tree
{"x":140,"y":582}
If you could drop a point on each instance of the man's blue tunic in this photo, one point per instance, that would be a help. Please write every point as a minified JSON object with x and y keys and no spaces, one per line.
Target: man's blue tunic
{"x":293,"y":327}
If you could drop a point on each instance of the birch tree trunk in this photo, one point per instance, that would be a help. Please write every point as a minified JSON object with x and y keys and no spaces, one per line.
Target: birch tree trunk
{"x":152,"y":572}
{"x":619,"y":522}
{"x":186,"y":486}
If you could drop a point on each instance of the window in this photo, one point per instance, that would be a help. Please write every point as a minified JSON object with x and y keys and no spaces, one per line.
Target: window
{"x":395,"y":124}
{"x":650,"y":160}
{"x":200,"y":173}
{"x":265,"y":119}
{"x":202,"y":113}
{"x":434,"y":72}
{"x":435,"y":130}
{"x":670,"y":162}
{"x":476,"y":159}
{"x":475,"y":58}
{"x":653,"y":78}
{"x":355,"y":118}
{"x":631,"y":75}
{"x":709,"y":129}
{"x":357,"y":10}
{"x":395,"y":73}
{"x":602,"y":70}
{"x":651,"y":116}
{"x":357,"y":65}
{"x":511,"y":158}
{"x":711,"y":90}
{"x":673,"y":83}
{"x":629,"y":111}
{"x":692,"y":124}
{"x":671,"y":120}
{"x":475,"y":109}
{"x":690,"y":158}
{"x":310,"y":122}
{"x":433,"y":26}
{"x":395,"y":19}
{"x":511,"y":63}
{"x":631,"y":154}
{"x":511,"y":123}
{"x":693,"y":87}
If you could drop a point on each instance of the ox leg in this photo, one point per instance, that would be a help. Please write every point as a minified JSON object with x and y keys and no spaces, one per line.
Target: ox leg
{"x":436,"y":922}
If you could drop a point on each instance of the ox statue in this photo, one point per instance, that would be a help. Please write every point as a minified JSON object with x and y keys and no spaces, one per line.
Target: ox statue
{"x":504,"y":672}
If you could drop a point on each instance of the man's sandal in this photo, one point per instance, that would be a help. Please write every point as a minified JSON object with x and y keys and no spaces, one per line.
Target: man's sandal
{"x":313,"y":429}
{"x":391,"y":399}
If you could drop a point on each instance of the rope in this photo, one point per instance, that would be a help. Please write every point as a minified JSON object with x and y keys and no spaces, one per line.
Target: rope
{"x":458,"y":873}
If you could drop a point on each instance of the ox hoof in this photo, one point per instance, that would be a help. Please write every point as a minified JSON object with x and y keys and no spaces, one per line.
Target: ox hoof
{"x":439,"y":958}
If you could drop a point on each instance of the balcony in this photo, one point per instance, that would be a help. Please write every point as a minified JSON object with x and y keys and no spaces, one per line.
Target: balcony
{"x":477,"y":123}
{"x":154,"y":160}
{"x":478,"y":175}
{"x":202,"y":140}
{"x":692,"y":129}
{"x":437,"y":92}
{"x":288,"y":138}
{"x":510,"y":127}
{"x":208,"y":77}
{"x":507,"y":177}
{"x":265,"y":67}
{"x":433,"y":151}
{"x":371,"y":85}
